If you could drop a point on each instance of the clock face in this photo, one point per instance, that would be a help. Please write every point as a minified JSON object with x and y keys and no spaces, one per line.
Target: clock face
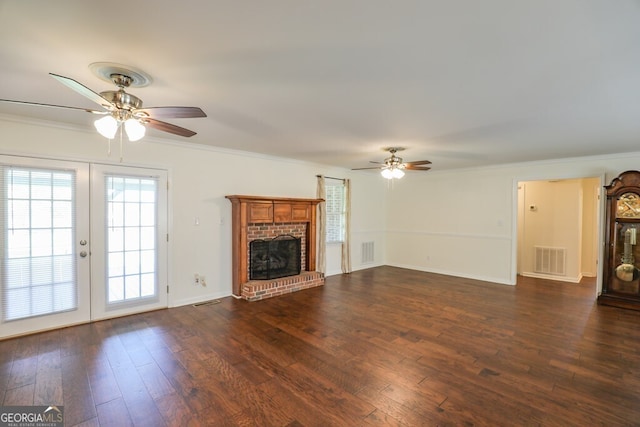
{"x":628,"y":206}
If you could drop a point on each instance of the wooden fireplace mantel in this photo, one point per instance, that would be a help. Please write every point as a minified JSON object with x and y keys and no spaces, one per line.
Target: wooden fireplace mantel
{"x":247,"y":210}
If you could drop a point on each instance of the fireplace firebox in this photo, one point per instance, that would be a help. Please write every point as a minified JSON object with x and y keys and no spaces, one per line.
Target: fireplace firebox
{"x":274,"y":258}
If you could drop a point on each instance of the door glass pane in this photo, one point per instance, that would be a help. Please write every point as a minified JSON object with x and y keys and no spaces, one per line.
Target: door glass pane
{"x":131,"y":210}
{"x":37,"y":233}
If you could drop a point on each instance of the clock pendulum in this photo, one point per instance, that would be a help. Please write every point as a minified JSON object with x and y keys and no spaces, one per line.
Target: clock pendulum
{"x":627,"y":271}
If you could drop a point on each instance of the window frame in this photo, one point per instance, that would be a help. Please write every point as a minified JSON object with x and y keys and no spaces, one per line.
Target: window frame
{"x":339,"y":213}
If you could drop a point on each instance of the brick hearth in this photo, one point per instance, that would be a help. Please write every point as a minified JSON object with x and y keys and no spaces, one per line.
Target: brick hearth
{"x":256,"y":290}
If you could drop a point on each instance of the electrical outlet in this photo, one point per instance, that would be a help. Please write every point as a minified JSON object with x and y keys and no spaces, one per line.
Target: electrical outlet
{"x":196,"y":279}
{"x":203,"y":281}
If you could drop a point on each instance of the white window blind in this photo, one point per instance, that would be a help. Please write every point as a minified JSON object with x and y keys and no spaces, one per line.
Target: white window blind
{"x":335,"y":207}
{"x":131,"y":231}
{"x":37,"y":226}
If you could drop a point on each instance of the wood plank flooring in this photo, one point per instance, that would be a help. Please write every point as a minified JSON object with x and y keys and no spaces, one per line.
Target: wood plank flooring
{"x":379,"y":347}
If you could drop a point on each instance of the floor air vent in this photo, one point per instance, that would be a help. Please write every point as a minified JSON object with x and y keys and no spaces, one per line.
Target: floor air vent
{"x":550,"y":260}
{"x":213,"y":301}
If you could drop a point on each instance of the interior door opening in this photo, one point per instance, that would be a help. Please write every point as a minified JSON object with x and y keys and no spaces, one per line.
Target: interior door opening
{"x":558,"y":229}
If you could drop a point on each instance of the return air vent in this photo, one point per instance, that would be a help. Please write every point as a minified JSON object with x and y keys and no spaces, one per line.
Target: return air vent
{"x":550,"y":260}
{"x":367,"y":253}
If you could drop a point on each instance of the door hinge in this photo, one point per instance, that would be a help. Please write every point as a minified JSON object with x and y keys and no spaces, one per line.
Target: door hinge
{"x":167,"y":288}
{"x":167,"y":237}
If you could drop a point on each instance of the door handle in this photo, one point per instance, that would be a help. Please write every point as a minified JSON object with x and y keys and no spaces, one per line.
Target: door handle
{"x":83,"y":254}
{"x":83,"y":242}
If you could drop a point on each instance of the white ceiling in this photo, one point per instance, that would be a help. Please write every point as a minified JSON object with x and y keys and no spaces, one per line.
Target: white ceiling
{"x":459,"y":82}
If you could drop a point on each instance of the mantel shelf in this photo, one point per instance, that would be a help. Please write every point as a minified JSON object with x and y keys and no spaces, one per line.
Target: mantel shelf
{"x":272,"y":199}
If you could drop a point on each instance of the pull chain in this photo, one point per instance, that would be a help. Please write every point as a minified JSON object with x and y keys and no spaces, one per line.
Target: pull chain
{"x":121,"y":143}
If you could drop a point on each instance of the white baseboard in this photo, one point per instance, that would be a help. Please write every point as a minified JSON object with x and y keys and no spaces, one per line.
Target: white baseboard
{"x":553,"y":277}
{"x":497,"y":280}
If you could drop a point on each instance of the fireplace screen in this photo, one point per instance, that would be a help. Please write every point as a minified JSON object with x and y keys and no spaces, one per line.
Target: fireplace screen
{"x":273,"y":258}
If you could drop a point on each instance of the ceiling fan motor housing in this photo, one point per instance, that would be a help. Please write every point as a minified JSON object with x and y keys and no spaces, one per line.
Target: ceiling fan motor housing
{"x":122,"y":100}
{"x":394,"y":161}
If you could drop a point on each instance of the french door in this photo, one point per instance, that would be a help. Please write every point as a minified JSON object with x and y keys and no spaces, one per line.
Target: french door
{"x":44,"y":217}
{"x":79,"y":242}
{"x":129,"y":228}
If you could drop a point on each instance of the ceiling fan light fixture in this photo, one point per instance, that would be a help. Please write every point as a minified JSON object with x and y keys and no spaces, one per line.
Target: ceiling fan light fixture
{"x":387,"y":173}
{"x":392,"y":172}
{"x":397,"y":173}
{"x":135,"y":130}
{"x":107,"y":126}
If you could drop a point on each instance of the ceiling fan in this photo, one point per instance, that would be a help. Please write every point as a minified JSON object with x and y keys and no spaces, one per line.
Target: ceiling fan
{"x":120,"y":107}
{"x":394,"y":167}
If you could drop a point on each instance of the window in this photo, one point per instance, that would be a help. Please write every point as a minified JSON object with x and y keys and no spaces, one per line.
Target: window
{"x":131,"y":238}
{"x":334,"y":202}
{"x":37,"y":233}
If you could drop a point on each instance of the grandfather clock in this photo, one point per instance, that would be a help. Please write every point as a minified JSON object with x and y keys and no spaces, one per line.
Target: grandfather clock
{"x":621,"y":275}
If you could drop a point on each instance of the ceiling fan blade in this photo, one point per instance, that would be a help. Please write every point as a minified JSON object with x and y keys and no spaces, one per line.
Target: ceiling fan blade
{"x":376,"y":163}
{"x":416,"y":168}
{"x":168,"y":127}
{"x":361,"y":169}
{"x":418,"y":162}
{"x":172,"y":112}
{"x":83,"y":90}
{"x":39,"y":104}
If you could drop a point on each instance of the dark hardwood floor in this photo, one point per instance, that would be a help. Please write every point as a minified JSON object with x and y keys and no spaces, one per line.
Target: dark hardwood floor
{"x":384,"y":346}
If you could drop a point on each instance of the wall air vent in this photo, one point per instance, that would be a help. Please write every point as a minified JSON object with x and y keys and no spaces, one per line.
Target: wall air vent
{"x":550,"y":260}
{"x":368,"y":253}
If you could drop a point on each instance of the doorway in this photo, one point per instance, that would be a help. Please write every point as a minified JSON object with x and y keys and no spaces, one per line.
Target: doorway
{"x":558,"y":229}
{"x":80,"y":242}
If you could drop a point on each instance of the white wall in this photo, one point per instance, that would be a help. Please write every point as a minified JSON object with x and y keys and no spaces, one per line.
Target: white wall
{"x":456,"y":223}
{"x":200,"y":177}
{"x":463,"y":222}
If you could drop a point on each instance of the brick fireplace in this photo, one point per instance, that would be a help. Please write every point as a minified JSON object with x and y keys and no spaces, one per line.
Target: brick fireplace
{"x":255,"y":218}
